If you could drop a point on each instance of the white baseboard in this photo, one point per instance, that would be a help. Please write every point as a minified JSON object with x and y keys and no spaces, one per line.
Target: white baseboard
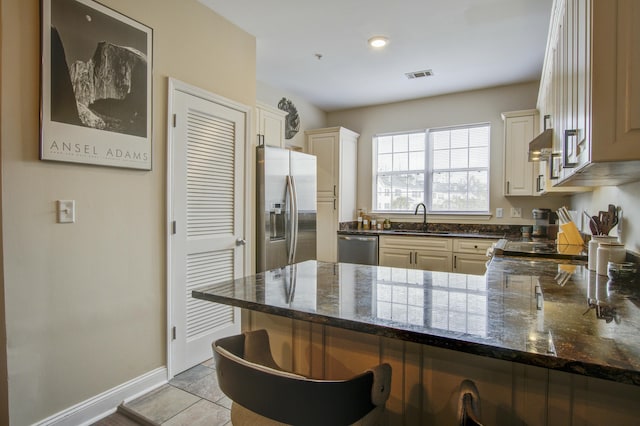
{"x":101,"y":405}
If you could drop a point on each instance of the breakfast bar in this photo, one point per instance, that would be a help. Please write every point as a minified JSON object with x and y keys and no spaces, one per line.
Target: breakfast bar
{"x":543,"y":339}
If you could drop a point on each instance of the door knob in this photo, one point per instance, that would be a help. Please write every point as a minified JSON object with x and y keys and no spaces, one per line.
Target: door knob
{"x":241,"y":242}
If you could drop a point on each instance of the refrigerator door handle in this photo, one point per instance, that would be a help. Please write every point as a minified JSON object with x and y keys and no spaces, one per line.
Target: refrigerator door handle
{"x":295,"y":219}
{"x":292,"y":219}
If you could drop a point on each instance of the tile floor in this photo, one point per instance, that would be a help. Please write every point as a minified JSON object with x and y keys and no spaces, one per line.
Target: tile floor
{"x":191,"y":398}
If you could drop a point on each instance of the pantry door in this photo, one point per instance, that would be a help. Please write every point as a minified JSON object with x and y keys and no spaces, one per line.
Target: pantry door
{"x":206,"y":244}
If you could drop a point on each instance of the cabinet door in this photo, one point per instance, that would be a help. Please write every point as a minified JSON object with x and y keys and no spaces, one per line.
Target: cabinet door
{"x":327,"y":231}
{"x":616,"y":80}
{"x":397,"y":258}
{"x":562,"y":56}
{"x":574,"y":66}
{"x":473,"y":264}
{"x":472,"y":245}
{"x":519,"y":131}
{"x":347,"y":179}
{"x":271,"y":125}
{"x":325,"y":148}
{"x":628,"y":79}
{"x":433,"y":261}
{"x":582,"y":75}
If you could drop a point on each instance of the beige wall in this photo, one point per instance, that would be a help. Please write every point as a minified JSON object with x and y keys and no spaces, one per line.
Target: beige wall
{"x":311,"y":117}
{"x":461,"y":108}
{"x":4,"y":385}
{"x":86,"y":302}
{"x":626,"y":197}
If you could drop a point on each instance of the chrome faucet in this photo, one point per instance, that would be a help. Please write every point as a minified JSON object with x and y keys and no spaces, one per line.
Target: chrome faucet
{"x":424,"y":216}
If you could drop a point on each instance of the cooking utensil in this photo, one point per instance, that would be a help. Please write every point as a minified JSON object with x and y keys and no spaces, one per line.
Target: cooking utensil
{"x":593,"y":225}
{"x":613,"y":213}
{"x":604,"y":222}
{"x":608,"y":219}
{"x":596,"y":220}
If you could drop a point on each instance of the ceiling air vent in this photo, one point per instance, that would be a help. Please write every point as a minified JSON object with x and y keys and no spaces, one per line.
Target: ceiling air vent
{"x":419,"y":74}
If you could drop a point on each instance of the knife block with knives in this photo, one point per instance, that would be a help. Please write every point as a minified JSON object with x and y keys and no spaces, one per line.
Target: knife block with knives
{"x":569,"y":233}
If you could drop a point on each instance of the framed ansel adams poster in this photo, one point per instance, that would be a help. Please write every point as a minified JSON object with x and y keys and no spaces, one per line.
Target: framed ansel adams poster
{"x":95,"y":86}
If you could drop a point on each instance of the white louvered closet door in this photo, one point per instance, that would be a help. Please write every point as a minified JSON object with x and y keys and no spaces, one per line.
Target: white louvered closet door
{"x":208,"y":140}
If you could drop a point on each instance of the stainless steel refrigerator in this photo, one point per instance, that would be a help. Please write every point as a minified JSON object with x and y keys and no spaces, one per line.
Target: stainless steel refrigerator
{"x":286,"y":207}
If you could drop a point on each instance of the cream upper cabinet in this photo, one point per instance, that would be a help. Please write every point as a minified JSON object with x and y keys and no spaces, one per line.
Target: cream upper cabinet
{"x":427,"y":253}
{"x":550,"y":169}
{"x":519,"y":173}
{"x":591,"y":85}
{"x":270,"y":125}
{"x":336,"y":152}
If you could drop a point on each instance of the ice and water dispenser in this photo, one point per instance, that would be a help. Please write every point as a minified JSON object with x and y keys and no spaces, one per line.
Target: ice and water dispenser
{"x":277,"y":221}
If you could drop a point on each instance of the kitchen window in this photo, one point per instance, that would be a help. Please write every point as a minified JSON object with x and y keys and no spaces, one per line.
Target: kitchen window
{"x":446,"y":168}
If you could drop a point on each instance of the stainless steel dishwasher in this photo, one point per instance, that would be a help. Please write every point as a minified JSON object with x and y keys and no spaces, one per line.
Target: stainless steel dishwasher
{"x":362,"y":249}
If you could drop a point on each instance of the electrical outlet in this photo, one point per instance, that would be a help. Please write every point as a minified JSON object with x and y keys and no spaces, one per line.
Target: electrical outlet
{"x":516,"y":212}
{"x":499,"y":213}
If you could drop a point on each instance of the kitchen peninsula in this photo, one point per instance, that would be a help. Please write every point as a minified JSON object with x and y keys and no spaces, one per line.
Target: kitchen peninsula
{"x":542,"y":349}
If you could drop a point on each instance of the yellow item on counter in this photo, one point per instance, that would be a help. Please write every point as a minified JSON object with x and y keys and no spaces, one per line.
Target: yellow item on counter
{"x":569,"y":234}
{"x":567,"y":268}
{"x":569,"y":249}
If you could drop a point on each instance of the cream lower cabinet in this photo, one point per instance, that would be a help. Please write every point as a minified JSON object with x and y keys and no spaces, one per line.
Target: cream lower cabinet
{"x":472,"y":264}
{"x":431,"y":254}
{"x":469,"y":255}
{"x":326,"y":230}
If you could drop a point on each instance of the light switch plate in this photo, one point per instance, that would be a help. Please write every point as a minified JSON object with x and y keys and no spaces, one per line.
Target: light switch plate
{"x":66,"y":211}
{"x":499,"y":212}
{"x":516,"y":212}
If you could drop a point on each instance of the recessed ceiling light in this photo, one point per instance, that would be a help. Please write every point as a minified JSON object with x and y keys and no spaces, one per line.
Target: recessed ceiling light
{"x":378,"y":41}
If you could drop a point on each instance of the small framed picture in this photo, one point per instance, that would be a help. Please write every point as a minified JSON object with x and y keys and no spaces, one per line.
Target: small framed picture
{"x":96,"y":86}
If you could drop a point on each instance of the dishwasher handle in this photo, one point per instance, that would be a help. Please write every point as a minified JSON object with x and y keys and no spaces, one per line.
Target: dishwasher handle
{"x":356,"y":238}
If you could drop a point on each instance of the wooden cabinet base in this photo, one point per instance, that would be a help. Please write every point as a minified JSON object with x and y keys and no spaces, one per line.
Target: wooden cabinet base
{"x":426,"y":380}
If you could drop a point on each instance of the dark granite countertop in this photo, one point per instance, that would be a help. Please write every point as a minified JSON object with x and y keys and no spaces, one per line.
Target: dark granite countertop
{"x":551,"y":314}
{"x":451,"y":230}
{"x":415,"y":232}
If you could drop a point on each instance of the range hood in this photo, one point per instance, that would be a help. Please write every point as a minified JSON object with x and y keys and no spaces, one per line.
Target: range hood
{"x":540,"y":148}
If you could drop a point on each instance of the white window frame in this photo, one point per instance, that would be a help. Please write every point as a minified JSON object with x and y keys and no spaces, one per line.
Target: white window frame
{"x":428,"y":172}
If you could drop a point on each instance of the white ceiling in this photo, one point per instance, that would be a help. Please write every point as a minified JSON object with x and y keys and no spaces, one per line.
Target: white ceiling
{"x":469,"y":44}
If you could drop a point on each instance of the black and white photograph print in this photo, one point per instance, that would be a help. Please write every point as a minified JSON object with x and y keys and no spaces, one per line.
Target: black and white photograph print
{"x":96,"y":85}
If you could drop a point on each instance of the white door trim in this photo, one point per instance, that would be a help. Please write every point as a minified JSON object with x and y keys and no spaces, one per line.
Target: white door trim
{"x":175,"y":85}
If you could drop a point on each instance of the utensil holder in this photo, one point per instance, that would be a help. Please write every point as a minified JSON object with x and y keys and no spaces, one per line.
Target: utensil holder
{"x":609,"y":252}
